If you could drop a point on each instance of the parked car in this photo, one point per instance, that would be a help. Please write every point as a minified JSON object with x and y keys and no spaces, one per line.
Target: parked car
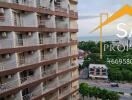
{"x":114,"y":84}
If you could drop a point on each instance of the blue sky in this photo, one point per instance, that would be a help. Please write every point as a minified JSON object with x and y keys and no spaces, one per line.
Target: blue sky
{"x":92,"y":8}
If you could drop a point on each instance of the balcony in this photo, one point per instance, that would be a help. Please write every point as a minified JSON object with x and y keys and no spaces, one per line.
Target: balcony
{"x":61,"y":24}
{"x":63,"y":81}
{"x":29,"y":79}
{"x":63,"y":65}
{"x":53,"y":98}
{"x":45,"y":4}
{"x":25,"y":42}
{"x":62,"y":40}
{"x":48,"y":56}
{"x":23,"y":2}
{"x":32,"y":95}
{"x":45,"y":23}
{"x":27,"y":61}
{"x":3,"y":0}
{"x":63,"y":54}
{"x":7,"y":65}
{"x":48,"y":40}
{"x":8,"y":85}
{"x":49,"y":87}
{"x":63,"y":68}
{"x":73,"y":13}
{"x":60,"y":9}
{"x":48,"y":72}
{"x":6,"y":43}
{"x":64,"y":93}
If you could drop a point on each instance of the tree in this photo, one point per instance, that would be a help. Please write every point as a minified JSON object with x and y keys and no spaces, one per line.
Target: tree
{"x":83,"y":89}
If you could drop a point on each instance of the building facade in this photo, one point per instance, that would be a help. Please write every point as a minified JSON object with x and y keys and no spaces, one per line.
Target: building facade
{"x":98,"y":71}
{"x":38,"y":50}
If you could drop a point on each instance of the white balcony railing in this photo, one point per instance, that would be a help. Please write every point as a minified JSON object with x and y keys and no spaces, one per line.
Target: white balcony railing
{"x":32,"y":94}
{"x":23,"y":2}
{"x":49,"y":87}
{"x":54,"y":97}
{"x":6,"y":43}
{"x":61,"y":24}
{"x":46,"y":23}
{"x":62,"y":68}
{"x":26,"y":42}
{"x":27,"y":61}
{"x":63,"y":54}
{"x":48,"y":72}
{"x":49,"y":40}
{"x":64,"y":93}
{"x":7,"y":65}
{"x":8,"y":85}
{"x":3,"y":0}
{"x":60,"y":9}
{"x":48,"y":56}
{"x":62,"y":40}
{"x":63,"y":81}
{"x":29,"y":79}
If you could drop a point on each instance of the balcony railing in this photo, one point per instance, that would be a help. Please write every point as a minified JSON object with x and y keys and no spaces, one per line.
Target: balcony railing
{"x":64,"y":93}
{"x":29,"y":79}
{"x":54,"y":97}
{"x":60,"y":9}
{"x":62,"y":40}
{"x":7,"y":65}
{"x":63,"y":54}
{"x":49,"y":72}
{"x":45,"y":23}
{"x":61,"y":24}
{"x":8,"y":85}
{"x":32,"y":94}
{"x":49,"y":87}
{"x":6,"y":43}
{"x":23,"y":2}
{"x":48,"y":56}
{"x":27,"y":61}
{"x":74,"y":52}
{"x":3,"y":0}
{"x":49,"y":40}
{"x":62,"y":68}
{"x":73,"y":13}
{"x":26,"y":42}
{"x":63,"y":81}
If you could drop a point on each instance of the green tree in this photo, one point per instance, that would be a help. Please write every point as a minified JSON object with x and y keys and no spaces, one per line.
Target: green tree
{"x":83,"y":89}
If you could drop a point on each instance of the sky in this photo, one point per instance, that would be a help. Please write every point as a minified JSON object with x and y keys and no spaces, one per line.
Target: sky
{"x":89,"y":11}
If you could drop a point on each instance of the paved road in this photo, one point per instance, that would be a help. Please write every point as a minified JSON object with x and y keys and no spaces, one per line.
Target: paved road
{"x":126,"y":88}
{"x":105,"y":86}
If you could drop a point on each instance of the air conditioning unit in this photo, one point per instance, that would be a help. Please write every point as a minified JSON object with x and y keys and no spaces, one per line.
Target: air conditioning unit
{"x":29,"y":34}
{"x":3,"y":34}
{"x":1,"y":10}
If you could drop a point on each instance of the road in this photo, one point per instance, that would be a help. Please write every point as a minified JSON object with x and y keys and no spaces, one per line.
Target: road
{"x":125,"y":88}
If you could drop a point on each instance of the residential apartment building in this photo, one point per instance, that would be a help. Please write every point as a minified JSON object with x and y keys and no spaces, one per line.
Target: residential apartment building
{"x":98,"y":71}
{"x":38,"y":50}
